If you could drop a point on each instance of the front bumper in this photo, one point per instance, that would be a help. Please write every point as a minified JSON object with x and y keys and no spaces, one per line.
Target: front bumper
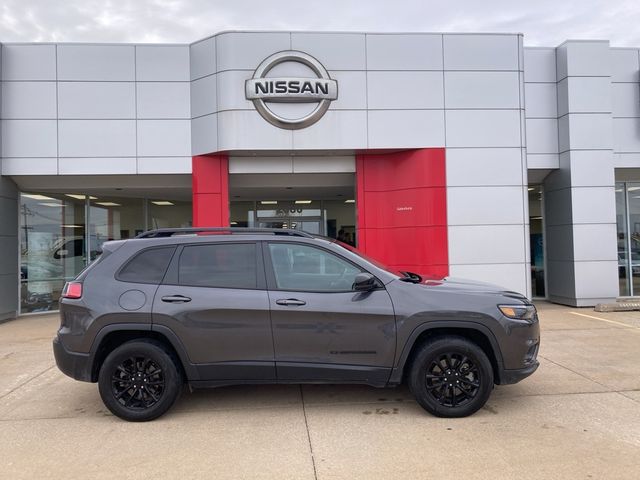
{"x":75,"y":365}
{"x":508,"y":377}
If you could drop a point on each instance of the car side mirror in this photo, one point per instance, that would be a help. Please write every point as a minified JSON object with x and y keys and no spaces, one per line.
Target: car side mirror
{"x":364,"y":282}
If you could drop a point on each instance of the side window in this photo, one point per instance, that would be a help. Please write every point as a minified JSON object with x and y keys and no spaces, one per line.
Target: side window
{"x":301,"y":267}
{"x":148,"y":266}
{"x":231,"y":265}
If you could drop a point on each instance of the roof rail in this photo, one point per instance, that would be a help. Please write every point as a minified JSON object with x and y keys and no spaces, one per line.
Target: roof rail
{"x":169,"y":232}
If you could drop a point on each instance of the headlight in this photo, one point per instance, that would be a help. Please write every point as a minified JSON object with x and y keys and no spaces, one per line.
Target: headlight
{"x":519,"y":312}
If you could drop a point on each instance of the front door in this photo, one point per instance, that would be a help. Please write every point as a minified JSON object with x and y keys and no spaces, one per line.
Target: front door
{"x":214,"y":298}
{"x":322,"y":329}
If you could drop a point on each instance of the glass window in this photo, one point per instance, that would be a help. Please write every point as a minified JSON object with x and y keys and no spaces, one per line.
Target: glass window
{"x":633,"y":214}
{"x":340,"y":218}
{"x":536,"y":241}
{"x":52,"y":232}
{"x":113,"y":219}
{"x":301,"y":267}
{"x":231,"y":265}
{"x":621,"y":230}
{"x":296,"y":215}
{"x":147,"y":266}
{"x":241,"y":214}
{"x":56,"y":243}
{"x":169,"y":214}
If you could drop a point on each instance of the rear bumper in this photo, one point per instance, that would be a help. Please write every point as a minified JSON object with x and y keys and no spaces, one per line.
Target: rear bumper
{"x":75,"y":365}
{"x":508,"y":377}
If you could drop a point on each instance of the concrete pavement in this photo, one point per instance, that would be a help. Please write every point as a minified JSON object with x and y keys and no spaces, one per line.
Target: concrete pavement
{"x":577,"y":417}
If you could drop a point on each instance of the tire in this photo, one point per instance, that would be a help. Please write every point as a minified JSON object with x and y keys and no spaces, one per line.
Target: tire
{"x":139,"y":380}
{"x":451,"y":377}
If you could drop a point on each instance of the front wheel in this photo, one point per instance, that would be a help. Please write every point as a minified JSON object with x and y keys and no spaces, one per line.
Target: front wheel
{"x":451,"y":377}
{"x":139,"y":381}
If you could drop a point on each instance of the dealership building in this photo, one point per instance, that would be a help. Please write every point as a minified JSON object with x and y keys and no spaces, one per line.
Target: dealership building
{"x":462,"y":155}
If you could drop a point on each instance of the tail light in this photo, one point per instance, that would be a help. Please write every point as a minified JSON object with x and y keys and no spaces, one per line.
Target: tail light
{"x":72,"y":290}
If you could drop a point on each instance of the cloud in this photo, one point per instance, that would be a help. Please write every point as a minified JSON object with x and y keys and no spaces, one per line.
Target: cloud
{"x":543,"y":22}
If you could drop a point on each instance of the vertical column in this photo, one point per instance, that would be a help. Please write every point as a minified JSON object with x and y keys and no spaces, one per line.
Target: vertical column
{"x":210,"y":190}
{"x":486,"y":165}
{"x":579,"y":196}
{"x":402,"y":209}
{"x":9,"y":276}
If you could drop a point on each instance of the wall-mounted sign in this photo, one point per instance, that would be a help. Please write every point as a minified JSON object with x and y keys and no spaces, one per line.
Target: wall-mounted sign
{"x":262,"y":90}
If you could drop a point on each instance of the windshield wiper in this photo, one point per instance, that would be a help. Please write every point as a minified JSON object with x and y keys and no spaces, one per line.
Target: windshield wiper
{"x":410,"y":277}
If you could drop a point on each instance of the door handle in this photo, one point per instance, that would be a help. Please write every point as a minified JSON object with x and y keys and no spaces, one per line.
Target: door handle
{"x":175,"y":299}
{"x":291,"y":302}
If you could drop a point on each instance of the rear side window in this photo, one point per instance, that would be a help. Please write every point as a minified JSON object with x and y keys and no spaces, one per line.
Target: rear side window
{"x":147,"y":266}
{"x":230,"y":265}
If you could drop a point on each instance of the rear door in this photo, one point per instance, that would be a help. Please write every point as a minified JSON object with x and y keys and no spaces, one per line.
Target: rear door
{"x":214,"y":298}
{"x":322,"y":329}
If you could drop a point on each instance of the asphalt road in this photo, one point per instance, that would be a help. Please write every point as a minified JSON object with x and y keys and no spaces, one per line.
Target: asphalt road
{"x":578,"y":416}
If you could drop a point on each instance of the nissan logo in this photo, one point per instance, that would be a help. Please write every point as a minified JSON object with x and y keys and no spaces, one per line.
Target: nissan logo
{"x":262,"y":89}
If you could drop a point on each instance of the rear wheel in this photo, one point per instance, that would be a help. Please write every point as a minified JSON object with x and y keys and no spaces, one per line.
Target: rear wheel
{"x":451,"y":377}
{"x":139,"y":380}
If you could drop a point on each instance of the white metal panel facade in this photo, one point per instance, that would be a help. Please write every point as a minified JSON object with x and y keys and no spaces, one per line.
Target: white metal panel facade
{"x":500,"y":110}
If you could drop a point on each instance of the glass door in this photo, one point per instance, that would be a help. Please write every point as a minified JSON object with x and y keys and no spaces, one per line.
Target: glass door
{"x":536,"y":241}
{"x":295,"y":215}
{"x":52,"y":232}
{"x":633,"y":227}
{"x":628,"y":230}
{"x":623,"y":240}
{"x":307,"y":224}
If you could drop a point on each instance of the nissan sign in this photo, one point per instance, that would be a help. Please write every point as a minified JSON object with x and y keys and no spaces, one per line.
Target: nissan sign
{"x":261,"y":89}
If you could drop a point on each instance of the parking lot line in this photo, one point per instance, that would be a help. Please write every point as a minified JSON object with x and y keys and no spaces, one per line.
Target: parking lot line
{"x":606,"y":320}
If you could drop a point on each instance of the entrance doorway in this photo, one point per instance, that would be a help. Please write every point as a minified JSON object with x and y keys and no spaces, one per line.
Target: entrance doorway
{"x":317,"y":203}
{"x":331,"y":218}
{"x":306,"y":215}
{"x":536,"y":241}
{"x":628,"y":233}
{"x":306,"y":224}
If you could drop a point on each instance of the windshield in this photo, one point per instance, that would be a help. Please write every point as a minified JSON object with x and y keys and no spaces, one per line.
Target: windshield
{"x":373,"y":261}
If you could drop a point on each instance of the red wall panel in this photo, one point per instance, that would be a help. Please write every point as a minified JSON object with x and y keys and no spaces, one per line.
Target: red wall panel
{"x":210,"y":179}
{"x":402,"y":209}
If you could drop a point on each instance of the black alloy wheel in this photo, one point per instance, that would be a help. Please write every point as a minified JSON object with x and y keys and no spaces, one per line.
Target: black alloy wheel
{"x":140,"y":380}
{"x":453,"y":380}
{"x":451,"y":377}
{"x":138,"y":383}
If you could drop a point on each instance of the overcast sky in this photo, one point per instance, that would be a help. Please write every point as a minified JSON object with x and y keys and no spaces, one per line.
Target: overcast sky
{"x":543,"y":22}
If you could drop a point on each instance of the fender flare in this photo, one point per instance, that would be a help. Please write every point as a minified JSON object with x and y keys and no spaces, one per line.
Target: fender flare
{"x":189,"y":368}
{"x":398,"y":369}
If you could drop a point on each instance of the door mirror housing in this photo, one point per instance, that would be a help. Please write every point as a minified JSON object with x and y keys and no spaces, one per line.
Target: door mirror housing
{"x":364,"y":282}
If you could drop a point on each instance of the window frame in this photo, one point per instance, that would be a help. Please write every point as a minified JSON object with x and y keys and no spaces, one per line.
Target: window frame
{"x":272,"y":284}
{"x":136,"y":255}
{"x":172,"y":276}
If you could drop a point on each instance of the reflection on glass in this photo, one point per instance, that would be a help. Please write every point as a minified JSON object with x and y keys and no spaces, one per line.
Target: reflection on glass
{"x":283,"y":209}
{"x":621,"y":230}
{"x":295,"y":215}
{"x":169,"y":214}
{"x":333,"y":218}
{"x":113,"y":219}
{"x":341,"y":220}
{"x":53,"y":234}
{"x":536,"y":241}
{"x":633,"y":215}
{"x":52,"y":247}
{"x":241,"y":214}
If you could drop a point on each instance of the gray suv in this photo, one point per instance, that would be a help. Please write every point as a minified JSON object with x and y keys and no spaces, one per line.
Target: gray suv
{"x":222,"y":306}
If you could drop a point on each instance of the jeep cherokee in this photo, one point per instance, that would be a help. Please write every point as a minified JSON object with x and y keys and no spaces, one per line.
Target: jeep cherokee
{"x":221,"y":306}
